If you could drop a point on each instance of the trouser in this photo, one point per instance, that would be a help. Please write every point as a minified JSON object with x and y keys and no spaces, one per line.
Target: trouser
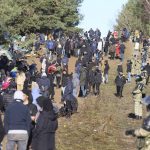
{"x":119,"y":90}
{"x":83,"y":89}
{"x":129,"y":76}
{"x":138,"y":108}
{"x":96,"y":88}
{"x":106,"y":78}
{"x":19,"y":139}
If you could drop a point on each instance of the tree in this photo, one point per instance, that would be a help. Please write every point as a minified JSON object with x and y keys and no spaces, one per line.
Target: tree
{"x":36,"y":15}
{"x":135,"y":15}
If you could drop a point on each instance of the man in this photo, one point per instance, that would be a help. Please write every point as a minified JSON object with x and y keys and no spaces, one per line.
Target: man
{"x":17,"y":123}
{"x":120,"y":81}
{"x":137,"y":98}
{"x":142,"y":134}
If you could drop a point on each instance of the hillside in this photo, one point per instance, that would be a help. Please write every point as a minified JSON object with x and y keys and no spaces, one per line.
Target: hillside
{"x":101,"y":122}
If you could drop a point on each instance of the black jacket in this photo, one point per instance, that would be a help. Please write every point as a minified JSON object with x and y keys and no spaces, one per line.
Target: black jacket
{"x":17,"y":117}
{"x":120,"y":81}
{"x":44,"y":133}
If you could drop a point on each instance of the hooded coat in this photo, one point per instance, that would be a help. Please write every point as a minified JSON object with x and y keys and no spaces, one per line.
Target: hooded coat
{"x":44,"y":133}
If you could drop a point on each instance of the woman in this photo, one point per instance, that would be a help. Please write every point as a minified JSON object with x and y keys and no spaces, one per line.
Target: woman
{"x":20,"y":79}
{"x":46,"y":126}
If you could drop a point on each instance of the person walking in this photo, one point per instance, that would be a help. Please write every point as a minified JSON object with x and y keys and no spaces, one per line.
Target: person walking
{"x":17,"y":123}
{"x":46,"y":126}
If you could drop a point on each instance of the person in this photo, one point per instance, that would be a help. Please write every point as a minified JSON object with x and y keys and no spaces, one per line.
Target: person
{"x":97,"y":81}
{"x":120,"y":81}
{"x":68,"y":98}
{"x":137,"y":98}
{"x":122,"y":51}
{"x":106,"y":71}
{"x":76,"y":85}
{"x":112,"y":51}
{"x":142,"y":134}
{"x":17,"y":123}
{"x":129,"y":68}
{"x":46,"y":126}
{"x":28,"y":99}
{"x":44,"y":85}
{"x":83,"y":77}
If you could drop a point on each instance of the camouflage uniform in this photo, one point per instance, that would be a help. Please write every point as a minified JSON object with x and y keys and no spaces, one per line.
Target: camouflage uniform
{"x":133,"y":66}
{"x":138,"y":67}
{"x":146,"y":134}
{"x":137,"y":98}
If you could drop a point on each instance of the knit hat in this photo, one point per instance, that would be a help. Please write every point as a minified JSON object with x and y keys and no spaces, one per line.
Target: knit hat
{"x":19,"y":95}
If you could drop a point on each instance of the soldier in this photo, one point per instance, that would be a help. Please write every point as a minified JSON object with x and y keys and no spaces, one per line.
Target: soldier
{"x":137,"y":98}
{"x":142,"y":134}
{"x":138,"y":66}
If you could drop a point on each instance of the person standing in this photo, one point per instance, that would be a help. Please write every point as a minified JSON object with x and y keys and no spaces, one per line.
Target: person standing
{"x":129,"y":68}
{"x":46,"y":126}
{"x":120,"y":81}
{"x":17,"y":123}
{"x":106,"y":71}
{"x":137,"y":98}
{"x":122,"y":51}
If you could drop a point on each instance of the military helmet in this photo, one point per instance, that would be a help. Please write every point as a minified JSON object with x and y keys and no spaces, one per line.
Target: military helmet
{"x":146,"y":124}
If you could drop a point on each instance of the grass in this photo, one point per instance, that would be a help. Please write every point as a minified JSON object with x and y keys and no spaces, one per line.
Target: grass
{"x":102,"y":121}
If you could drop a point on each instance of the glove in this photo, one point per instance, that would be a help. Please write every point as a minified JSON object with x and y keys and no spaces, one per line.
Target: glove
{"x":129,"y":132}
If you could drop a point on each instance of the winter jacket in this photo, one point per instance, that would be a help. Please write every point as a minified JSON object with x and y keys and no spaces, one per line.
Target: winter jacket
{"x":44,"y":133}
{"x":68,"y":93}
{"x":120,"y":81}
{"x":17,"y":117}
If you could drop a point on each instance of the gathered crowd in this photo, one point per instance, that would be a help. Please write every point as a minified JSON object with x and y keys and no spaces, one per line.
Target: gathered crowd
{"x":28,"y":90}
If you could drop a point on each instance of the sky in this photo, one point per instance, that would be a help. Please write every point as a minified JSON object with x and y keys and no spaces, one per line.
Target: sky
{"x":100,"y":14}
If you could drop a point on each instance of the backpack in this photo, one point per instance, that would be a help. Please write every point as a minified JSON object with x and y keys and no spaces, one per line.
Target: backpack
{"x":50,"y":44}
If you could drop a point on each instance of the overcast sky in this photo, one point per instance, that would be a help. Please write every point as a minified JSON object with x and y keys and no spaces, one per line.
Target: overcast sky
{"x":100,"y":14}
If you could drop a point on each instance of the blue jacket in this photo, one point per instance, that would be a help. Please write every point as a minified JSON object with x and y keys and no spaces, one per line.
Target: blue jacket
{"x":17,"y":117}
